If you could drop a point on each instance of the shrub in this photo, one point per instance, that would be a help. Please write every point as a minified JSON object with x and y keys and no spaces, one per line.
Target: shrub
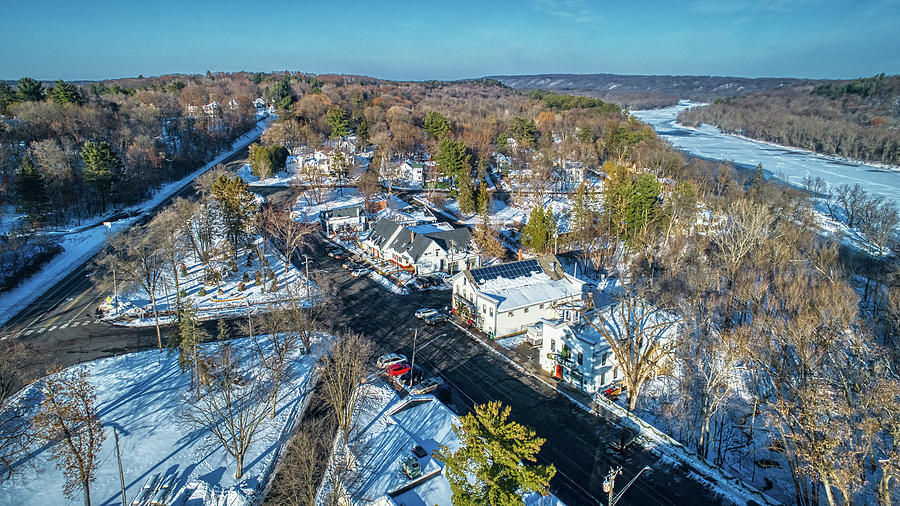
{"x":201,"y":292}
{"x":274,"y":286}
{"x":242,"y":286}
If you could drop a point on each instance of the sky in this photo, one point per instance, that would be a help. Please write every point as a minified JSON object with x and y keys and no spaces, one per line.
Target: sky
{"x":427,"y":39}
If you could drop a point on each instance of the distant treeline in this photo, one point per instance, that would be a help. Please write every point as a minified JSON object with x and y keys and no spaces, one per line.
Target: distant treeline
{"x":855,"y":119}
{"x":558,"y":102}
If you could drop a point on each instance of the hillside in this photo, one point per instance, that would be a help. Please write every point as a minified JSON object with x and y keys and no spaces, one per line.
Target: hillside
{"x":635,"y":91}
{"x":857,"y":119}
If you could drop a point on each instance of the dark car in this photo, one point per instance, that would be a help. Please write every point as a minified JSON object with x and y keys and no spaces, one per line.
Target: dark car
{"x":435,"y":318}
{"x":626,"y":438}
{"x":417,"y":374}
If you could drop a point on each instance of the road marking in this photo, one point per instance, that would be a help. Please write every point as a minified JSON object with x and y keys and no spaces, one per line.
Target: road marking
{"x":64,"y":325}
{"x":75,"y":301}
{"x":28,"y":332}
{"x":51,"y":329}
{"x":41,"y":331}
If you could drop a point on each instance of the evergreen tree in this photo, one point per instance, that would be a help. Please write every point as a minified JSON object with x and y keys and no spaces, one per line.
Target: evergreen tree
{"x":524,"y":132}
{"x":466,"y":196}
{"x":188,"y":337}
{"x":31,"y":188}
{"x":437,"y":125}
{"x":759,"y":179}
{"x":7,"y":96}
{"x":491,"y":465}
{"x":66,"y":93}
{"x":362,"y":134}
{"x":539,"y":231}
{"x":337,"y":120}
{"x":102,"y":167}
{"x":583,"y":216}
{"x":483,"y":200}
{"x":222,"y":332}
{"x":630,"y":202}
{"x":266,"y":160}
{"x":30,"y":90}
{"x":237,"y":209}
{"x":453,"y":161}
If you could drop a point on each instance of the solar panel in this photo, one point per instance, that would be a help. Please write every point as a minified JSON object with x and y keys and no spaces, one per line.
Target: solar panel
{"x":508,"y":271}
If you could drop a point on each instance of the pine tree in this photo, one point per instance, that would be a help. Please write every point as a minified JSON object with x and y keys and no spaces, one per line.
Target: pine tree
{"x":68,"y":420}
{"x":66,"y":93}
{"x":102,"y":167}
{"x":452,"y":160}
{"x":32,"y":191}
{"x":437,"y":125}
{"x":491,"y":466}
{"x":222,"y":332}
{"x":483,"y":200}
{"x":337,"y":120}
{"x":237,"y":209}
{"x":466,"y":196}
{"x":30,"y":90}
{"x":189,"y":337}
{"x":7,"y":96}
{"x":540,"y":229}
{"x":583,"y":216}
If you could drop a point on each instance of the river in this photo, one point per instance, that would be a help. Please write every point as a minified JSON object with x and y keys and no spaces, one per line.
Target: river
{"x":791,"y":165}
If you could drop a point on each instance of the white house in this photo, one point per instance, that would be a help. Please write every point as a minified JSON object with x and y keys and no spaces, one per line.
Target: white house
{"x":575,"y":351}
{"x":570,"y":172}
{"x":343,"y":219}
{"x":413,"y":171}
{"x":508,"y":298}
{"x":424,"y":248}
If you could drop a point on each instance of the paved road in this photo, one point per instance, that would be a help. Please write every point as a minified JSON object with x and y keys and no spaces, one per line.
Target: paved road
{"x":63,"y":322}
{"x":577,"y":442}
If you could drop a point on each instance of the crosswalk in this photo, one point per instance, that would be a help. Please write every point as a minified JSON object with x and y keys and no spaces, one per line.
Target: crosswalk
{"x":53,"y":328}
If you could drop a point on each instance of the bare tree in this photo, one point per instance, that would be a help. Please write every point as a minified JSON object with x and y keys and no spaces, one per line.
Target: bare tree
{"x":636,"y":333}
{"x":301,"y":467}
{"x":68,"y":419}
{"x":276,"y":348}
{"x":166,"y":230}
{"x":234,"y":404}
{"x":347,"y":366}
{"x":15,"y":421}
{"x":289,"y":235}
{"x":138,"y":257}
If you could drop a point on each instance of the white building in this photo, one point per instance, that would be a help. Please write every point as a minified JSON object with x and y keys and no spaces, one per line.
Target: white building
{"x":343,"y":219}
{"x":424,"y":248}
{"x":575,"y":351}
{"x":508,"y":298}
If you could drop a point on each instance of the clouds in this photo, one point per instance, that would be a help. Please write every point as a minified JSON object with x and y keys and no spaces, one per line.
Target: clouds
{"x":578,"y":11}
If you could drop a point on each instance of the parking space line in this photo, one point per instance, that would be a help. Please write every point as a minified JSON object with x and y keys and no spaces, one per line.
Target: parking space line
{"x":41,"y":331}
{"x":51,"y":329}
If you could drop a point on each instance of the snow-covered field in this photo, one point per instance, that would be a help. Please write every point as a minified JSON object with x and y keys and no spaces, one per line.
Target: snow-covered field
{"x":306,"y":210}
{"x":791,"y":163}
{"x":280,"y":178}
{"x":140,"y":394}
{"x":135,"y":307}
{"x":80,"y":246}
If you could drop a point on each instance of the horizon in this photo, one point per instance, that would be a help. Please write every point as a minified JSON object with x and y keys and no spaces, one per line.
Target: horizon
{"x":406,"y":41}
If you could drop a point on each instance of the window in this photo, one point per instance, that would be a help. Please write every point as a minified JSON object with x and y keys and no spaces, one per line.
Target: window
{"x":579,"y":358}
{"x":483,"y":309}
{"x":492,"y":311}
{"x":603,"y":360}
{"x":525,"y":310}
{"x":542,"y":306}
{"x":553,"y":345}
{"x":509,"y":314}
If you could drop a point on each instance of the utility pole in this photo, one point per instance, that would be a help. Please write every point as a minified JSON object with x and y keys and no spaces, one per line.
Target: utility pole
{"x":249,"y":322}
{"x":121,"y":472}
{"x":307,"y":275}
{"x":115,"y":289}
{"x":609,"y":484}
{"x":413,"y":362}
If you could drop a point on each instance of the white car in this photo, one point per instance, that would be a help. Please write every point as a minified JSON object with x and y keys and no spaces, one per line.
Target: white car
{"x":360,"y":272}
{"x":389,"y":359}
{"x":426,"y":386}
{"x":425,"y":311}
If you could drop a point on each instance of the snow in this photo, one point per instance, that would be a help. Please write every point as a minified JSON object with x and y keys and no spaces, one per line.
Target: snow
{"x":280,"y":178}
{"x":139,"y":395}
{"x":528,"y":290}
{"x":81,"y":246}
{"x":791,"y":164}
{"x":512,"y":342}
{"x":305,"y":212}
{"x":135,"y":307}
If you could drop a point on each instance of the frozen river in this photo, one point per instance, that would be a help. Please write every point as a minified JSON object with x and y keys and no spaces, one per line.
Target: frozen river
{"x":789,"y":164}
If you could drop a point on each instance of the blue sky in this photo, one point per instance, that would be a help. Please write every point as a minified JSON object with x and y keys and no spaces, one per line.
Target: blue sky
{"x":425,"y":39}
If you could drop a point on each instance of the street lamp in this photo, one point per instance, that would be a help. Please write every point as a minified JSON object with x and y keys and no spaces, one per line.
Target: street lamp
{"x":609,"y":484}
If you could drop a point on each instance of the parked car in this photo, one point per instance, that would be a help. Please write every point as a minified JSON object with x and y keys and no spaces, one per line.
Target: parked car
{"x":398,"y":369}
{"x":427,"y":385}
{"x":362,"y":271}
{"x":350,"y":265}
{"x":614,"y":391}
{"x":425,"y":311}
{"x":389,"y":359}
{"x":435,"y":318}
{"x":416,"y":374}
{"x":626,"y":438}
{"x":334,"y":251}
{"x":435,"y":280}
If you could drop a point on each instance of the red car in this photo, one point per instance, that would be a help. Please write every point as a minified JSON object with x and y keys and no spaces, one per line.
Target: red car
{"x":398,"y":369}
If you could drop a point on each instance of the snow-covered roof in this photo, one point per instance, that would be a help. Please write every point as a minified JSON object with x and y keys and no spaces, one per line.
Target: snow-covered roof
{"x":525,"y":283}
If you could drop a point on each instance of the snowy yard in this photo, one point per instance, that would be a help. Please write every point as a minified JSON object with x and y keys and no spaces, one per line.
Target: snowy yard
{"x":135,"y":307}
{"x":140,"y":395}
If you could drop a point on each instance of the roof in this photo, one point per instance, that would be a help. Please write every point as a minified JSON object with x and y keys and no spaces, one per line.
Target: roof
{"x":384,"y":230}
{"x":416,"y":240}
{"x":343,"y":212}
{"x":525,"y":283}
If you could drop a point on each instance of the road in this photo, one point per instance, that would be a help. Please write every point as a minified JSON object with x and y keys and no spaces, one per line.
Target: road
{"x":62,"y":321}
{"x":577,"y":442}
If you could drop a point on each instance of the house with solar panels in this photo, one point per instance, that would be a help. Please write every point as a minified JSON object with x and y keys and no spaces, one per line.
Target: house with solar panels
{"x":507,"y":299}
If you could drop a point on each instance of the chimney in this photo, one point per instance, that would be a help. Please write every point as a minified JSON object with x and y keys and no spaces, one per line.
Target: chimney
{"x":520,"y":253}
{"x":412,"y":236}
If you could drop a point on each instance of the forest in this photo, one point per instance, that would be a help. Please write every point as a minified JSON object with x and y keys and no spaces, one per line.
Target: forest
{"x":856,"y":119}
